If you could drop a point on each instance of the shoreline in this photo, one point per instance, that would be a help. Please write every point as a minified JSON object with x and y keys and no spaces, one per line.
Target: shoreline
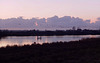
{"x":48,"y":32}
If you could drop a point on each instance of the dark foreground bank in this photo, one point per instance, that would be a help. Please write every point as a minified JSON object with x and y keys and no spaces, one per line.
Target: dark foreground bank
{"x":83,"y":51}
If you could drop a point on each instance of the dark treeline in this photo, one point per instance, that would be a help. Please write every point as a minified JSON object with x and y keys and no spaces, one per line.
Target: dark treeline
{"x":48,"y":32}
{"x":82,"y":51}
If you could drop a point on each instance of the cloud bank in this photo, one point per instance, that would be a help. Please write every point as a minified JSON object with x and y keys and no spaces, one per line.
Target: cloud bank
{"x":55,"y":22}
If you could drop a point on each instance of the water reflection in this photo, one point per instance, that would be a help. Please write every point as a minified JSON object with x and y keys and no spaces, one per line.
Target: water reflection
{"x":19,"y":40}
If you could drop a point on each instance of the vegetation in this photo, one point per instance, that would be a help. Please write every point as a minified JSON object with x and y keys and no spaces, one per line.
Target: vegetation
{"x":48,"y":32}
{"x":82,"y":51}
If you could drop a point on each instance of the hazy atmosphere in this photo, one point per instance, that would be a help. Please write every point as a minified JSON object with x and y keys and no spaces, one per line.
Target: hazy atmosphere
{"x":85,"y":9}
{"x":45,"y":14}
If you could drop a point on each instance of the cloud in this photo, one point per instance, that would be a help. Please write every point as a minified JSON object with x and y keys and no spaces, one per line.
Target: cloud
{"x":98,"y":18}
{"x":67,"y":21}
{"x":97,"y":23}
{"x":54,"y":22}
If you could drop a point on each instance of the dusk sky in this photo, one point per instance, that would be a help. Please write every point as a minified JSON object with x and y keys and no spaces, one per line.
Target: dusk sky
{"x":85,"y":9}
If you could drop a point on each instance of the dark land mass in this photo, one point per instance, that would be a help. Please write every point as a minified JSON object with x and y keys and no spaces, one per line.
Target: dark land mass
{"x":48,"y":32}
{"x":82,"y":51}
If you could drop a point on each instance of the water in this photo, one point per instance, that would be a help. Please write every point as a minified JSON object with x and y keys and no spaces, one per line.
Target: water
{"x":22,"y":40}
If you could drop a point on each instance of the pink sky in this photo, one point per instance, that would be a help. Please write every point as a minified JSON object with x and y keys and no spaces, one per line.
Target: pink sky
{"x":86,"y":9}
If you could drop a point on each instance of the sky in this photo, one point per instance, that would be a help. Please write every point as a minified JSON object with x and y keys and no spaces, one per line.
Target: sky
{"x":85,"y":9}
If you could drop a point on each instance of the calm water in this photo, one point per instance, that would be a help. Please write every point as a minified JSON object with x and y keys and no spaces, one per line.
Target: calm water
{"x":21,"y":40}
